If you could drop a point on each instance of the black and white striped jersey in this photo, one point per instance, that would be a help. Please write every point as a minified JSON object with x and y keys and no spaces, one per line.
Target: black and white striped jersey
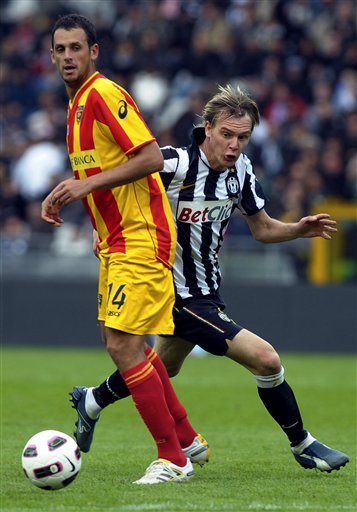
{"x":202,"y":201}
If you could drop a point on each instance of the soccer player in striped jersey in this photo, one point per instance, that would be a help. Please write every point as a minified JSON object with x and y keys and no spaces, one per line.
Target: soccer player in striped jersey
{"x":115,"y":159}
{"x":205,"y":183}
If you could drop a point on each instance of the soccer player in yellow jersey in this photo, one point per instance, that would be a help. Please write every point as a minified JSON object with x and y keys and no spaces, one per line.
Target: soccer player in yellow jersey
{"x":115,"y":159}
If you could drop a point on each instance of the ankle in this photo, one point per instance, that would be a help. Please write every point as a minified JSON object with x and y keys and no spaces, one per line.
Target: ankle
{"x":92,"y":408}
{"x":300,"y":447}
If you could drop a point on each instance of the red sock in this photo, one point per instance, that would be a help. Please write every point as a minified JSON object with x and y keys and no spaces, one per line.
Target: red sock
{"x":148,"y":395}
{"x":185,"y":432}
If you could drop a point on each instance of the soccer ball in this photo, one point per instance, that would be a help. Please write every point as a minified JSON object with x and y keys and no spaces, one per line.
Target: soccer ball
{"x":51,"y":460}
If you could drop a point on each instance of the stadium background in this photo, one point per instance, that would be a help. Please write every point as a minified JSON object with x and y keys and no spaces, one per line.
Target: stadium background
{"x":298,"y":59}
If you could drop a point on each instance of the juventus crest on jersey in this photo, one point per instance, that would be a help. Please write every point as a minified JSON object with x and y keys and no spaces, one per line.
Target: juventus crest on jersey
{"x":202,"y":202}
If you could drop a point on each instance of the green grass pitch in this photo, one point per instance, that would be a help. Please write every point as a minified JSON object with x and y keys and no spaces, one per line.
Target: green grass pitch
{"x":251,"y":467}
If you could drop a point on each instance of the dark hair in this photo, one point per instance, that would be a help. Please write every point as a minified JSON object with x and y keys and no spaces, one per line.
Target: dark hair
{"x":231,"y":102}
{"x":70,"y":21}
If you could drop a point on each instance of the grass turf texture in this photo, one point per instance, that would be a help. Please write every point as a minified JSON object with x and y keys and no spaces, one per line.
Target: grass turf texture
{"x":251,"y":469}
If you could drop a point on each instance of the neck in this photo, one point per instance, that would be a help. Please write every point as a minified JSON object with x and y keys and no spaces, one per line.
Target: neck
{"x":71,"y":91}
{"x":212,"y":161}
{"x":73,"y":88}
{"x":205,"y":151}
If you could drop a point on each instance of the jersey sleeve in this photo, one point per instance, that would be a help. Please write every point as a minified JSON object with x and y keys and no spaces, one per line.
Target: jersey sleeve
{"x":115,"y":108}
{"x":252,"y":198}
{"x":171,"y":164}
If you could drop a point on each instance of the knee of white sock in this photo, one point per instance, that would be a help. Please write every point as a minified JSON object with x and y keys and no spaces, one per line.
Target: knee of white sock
{"x":270,"y":381}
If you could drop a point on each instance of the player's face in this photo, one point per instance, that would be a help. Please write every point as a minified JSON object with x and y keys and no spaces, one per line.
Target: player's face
{"x":226,"y":140}
{"x":74,"y":59}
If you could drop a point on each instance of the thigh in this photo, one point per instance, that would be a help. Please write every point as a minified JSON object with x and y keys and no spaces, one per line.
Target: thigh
{"x":253,"y":352}
{"x":136,"y":297}
{"x":172,"y":351}
{"x":203,"y":322}
{"x":126,"y":350}
{"x":102,"y":290}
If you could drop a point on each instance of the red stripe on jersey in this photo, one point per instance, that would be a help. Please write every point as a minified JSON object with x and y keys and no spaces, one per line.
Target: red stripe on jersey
{"x":131,"y":102}
{"x":72,"y":109}
{"x":164,"y":241}
{"x":104,"y":115}
{"x":127,"y":97}
{"x":85,"y":203}
{"x":108,"y":208}
{"x":70,"y":131}
{"x":86,"y":139}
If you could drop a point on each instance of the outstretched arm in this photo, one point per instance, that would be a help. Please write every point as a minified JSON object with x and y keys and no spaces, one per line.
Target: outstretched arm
{"x":268,"y":230}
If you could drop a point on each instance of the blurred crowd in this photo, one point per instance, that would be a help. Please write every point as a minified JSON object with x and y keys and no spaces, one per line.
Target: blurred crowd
{"x":297,"y":58}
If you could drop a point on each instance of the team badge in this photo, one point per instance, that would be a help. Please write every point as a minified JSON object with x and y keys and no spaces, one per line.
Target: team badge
{"x":79,"y":113}
{"x":232,"y":185}
{"x":224,"y":317}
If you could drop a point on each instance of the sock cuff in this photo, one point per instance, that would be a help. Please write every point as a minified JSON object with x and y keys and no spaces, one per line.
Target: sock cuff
{"x":138,"y":374}
{"x":299,"y":448}
{"x":270,"y":381}
{"x":150,"y":354}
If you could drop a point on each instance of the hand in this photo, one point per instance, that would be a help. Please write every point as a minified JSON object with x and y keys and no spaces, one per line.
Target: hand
{"x":316,"y":225}
{"x":69,"y":191}
{"x":50,"y":212}
{"x":63,"y":194}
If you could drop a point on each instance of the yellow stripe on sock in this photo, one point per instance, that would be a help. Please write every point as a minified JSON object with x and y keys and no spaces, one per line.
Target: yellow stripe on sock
{"x":140,"y":375}
{"x":151,"y":355}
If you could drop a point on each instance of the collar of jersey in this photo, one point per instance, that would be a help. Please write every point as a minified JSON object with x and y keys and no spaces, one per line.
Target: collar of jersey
{"x":84,"y":86}
{"x":204,"y":160}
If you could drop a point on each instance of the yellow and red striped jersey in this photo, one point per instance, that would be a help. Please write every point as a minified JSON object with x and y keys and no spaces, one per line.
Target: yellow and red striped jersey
{"x":104,"y":128}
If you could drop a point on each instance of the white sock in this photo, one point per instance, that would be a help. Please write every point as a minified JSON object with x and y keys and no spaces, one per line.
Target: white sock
{"x":92,"y":408}
{"x":299,"y":448}
{"x":270,"y":381}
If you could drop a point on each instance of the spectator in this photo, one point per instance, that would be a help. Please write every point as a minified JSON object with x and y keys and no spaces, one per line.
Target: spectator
{"x":35,"y":172}
{"x":297,"y":58}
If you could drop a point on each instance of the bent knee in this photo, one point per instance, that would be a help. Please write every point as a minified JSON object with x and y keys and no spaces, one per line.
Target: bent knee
{"x":173,"y":352}
{"x":172,"y":368}
{"x":268,"y":362}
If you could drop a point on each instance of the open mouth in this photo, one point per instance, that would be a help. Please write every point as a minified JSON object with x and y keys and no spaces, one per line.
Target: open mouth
{"x":230,"y":158}
{"x":68,"y":69}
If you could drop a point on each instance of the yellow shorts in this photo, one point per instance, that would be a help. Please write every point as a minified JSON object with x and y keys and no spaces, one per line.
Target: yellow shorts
{"x":135,"y":296}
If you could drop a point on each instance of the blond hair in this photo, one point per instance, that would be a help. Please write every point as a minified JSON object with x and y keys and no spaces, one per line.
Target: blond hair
{"x":230,"y":102}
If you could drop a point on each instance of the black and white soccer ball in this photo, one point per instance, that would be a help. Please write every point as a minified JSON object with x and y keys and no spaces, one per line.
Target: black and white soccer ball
{"x":51,"y":460}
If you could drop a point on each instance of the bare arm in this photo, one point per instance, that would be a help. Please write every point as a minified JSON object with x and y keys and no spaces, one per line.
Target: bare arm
{"x":268,"y":230}
{"x":147,"y":160}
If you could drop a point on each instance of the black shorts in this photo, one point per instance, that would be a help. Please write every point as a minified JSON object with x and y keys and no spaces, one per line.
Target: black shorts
{"x":202,"y":322}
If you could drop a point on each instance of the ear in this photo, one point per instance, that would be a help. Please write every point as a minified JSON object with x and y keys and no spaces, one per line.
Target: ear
{"x":208,"y":128}
{"x":94,"y":52}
